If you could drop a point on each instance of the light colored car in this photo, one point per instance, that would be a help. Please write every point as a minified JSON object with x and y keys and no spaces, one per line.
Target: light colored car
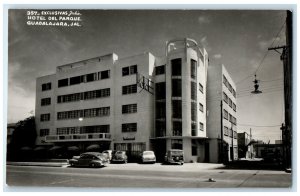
{"x":89,"y":159}
{"x":108,"y":154}
{"x":148,"y":157}
{"x":119,"y":156}
{"x":174,"y":156}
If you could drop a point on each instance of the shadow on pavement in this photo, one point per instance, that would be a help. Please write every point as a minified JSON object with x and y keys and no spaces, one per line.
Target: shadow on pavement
{"x":255,"y":165}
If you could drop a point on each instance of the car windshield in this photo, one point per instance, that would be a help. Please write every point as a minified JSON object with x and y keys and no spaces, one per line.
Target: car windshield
{"x":148,"y":153}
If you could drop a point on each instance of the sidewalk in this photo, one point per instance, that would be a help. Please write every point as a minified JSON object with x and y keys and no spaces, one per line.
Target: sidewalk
{"x":62,"y":163}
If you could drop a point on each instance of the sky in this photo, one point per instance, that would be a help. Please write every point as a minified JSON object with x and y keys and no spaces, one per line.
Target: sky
{"x":238,"y":39}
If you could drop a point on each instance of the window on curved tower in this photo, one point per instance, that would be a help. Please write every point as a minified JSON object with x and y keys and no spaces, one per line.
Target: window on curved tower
{"x":176,"y":87}
{"x":176,"y":109}
{"x":193,"y":91}
{"x":193,"y":69}
{"x":176,"y":67}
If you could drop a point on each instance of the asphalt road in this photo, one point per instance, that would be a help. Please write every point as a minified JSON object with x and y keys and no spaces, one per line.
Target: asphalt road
{"x":145,"y":176}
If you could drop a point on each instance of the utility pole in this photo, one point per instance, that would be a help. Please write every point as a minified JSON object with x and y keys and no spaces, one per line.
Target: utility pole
{"x":286,"y":57}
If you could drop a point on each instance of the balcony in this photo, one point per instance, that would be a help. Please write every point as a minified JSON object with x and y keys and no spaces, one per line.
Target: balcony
{"x":79,"y":137}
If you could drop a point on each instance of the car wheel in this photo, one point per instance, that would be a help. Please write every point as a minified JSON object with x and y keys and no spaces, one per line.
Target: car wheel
{"x":125,"y":161}
{"x":93,"y":165}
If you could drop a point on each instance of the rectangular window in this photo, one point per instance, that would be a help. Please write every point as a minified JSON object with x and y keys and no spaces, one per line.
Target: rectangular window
{"x":225,"y":97}
{"x":160,"y":128}
{"x":46,"y":101}
{"x":230,"y":102}
{"x":133,"y":69}
{"x":201,"y":107}
{"x":176,"y":109}
{"x":45,"y":117}
{"x":75,"y":80}
{"x":176,"y":144}
{"x":63,"y":82}
{"x":193,"y":69}
{"x":200,"y":88}
{"x":225,"y":130}
{"x":129,"y":89}
{"x":129,"y":70}
{"x":201,"y":125}
{"x":44,"y":132}
{"x":225,"y":114}
{"x":176,"y":67}
{"x":130,"y":108}
{"x":194,"y":148}
{"x":234,"y":107}
{"x":230,"y":87}
{"x":234,"y":134}
{"x":46,"y":86}
{"x":230,"y":118}
{"x":160,"y":70}
{"x":91,"y":77}
{"x":104,"y":74}
{"x":176,"y":87}
{"x":129,"y":127}
{"x":194,"y":91}
{"x":177,"y":128}
{"x":225,"y":81}
{"x":160,"y":90}
{"x":233,"y":93}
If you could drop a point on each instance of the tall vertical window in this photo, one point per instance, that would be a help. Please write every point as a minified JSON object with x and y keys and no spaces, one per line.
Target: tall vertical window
{"x":177,"y":128}
{"x":176,"y":67}
{"x":160,"y":90}
{"x":225,"y":97}
{"x":176,"y":109}
{"x":176,"y":87}
{"x":194,"y":111}
{"x":160,"y":70}
{"x":160,"y":110}
{"x":233,"y":107}
{"x":194,"y":129}
{"x":194,"y":91}
{"x":46,"y":86}
{"x":193,"y":69}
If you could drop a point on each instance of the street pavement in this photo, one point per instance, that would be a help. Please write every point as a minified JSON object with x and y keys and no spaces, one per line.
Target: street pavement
{"x":120,"y":177}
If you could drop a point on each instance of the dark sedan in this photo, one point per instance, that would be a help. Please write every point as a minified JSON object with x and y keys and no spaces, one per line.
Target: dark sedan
{"x":89,"y":159}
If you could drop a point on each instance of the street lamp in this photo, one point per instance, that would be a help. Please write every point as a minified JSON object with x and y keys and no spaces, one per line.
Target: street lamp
{"x":256,"y":85}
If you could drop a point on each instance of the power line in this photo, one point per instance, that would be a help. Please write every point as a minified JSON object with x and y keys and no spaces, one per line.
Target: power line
{"x":263,"y":56}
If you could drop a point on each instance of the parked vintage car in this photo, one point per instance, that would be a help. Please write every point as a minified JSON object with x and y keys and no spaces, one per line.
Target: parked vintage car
{"x":89,"y":159}
{"x":174,"y":156}
{"x":148,"y":157}
{"x":119,"y":156}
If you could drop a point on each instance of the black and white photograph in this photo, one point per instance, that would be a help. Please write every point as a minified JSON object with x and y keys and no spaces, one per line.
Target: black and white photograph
{"x":150,"y":99}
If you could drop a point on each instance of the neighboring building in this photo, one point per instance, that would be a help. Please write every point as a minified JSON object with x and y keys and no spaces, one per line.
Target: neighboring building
{"x":245,"y":145}
{"x":105,"y":101}
{"x":221,"y":115}
{"x":268,"y":150}
{"x":10,"y":130}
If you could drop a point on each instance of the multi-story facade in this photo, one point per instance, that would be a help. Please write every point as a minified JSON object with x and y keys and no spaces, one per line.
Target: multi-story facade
{"x":221,"y":116}
{"x":100,"y":101}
